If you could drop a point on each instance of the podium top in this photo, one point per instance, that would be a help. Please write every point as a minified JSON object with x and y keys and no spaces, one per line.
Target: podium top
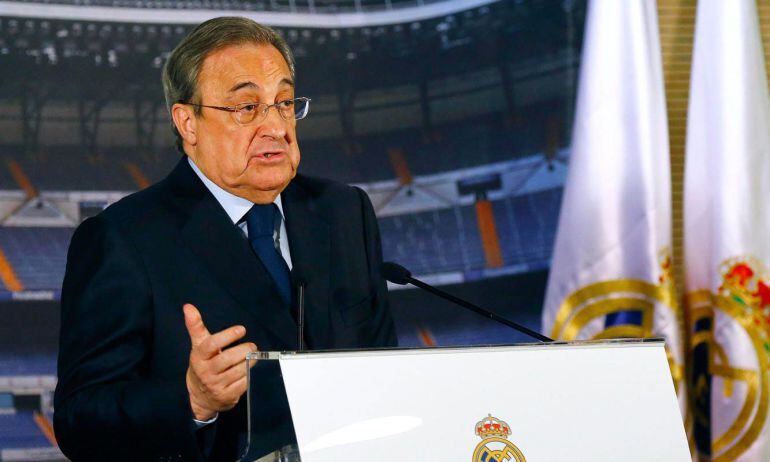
{"x":622,"y":342}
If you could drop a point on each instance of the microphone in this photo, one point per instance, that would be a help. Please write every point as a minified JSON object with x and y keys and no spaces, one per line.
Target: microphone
{"x":397,"y":274}
{"x":299,"y":282}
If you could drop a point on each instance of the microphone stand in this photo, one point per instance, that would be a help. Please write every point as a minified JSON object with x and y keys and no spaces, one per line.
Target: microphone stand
{"x":479,"y":310}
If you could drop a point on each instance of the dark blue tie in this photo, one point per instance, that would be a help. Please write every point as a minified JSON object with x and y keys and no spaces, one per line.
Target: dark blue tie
{"x":261,"y":223}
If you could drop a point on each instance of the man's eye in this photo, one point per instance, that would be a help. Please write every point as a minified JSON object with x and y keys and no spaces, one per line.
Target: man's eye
{"x":248,"y":108}
{"x":287,"y":103}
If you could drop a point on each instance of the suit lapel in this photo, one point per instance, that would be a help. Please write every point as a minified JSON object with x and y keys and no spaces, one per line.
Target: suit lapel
{"x":310,"y":246}
{"x":212,"y":236}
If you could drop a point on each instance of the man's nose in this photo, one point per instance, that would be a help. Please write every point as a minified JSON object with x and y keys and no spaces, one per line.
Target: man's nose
{"x":273,"y":124}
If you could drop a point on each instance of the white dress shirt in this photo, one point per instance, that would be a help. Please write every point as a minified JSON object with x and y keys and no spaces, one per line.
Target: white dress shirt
{"x":236,"y":208}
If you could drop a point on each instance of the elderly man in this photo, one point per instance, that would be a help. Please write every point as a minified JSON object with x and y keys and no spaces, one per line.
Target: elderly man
{"x":167,"y":290}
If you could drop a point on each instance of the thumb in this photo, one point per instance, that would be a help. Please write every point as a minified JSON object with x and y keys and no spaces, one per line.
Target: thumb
{"x":194,"y":323}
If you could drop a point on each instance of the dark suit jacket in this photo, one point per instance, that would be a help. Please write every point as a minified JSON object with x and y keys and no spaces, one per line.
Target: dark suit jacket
{"x":124,"y":348}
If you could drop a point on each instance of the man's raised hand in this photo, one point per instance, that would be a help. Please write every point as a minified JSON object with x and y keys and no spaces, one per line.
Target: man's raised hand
{"x":216,"y":377}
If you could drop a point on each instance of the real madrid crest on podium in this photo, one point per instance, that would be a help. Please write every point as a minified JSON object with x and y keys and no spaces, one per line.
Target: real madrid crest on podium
{"x":494,"y":445}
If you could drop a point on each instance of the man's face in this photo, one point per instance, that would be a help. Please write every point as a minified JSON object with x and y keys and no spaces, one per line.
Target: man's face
{"x":254,"y":161}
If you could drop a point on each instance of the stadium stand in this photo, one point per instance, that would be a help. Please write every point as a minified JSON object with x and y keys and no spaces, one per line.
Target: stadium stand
{"x":38,"y":255}
{"x":69,"y":169}
{"x":475,"y":141}
{"x":27,"y":363}
{"x":294,"y":6}
{"x":19,"y":430}
{"x":66,"y":52}
{"x":27,"y":377}
{"x":433,"y":242}
{"x":527,"y":225}
{"x":436,"y":241}
{"x":448,"y":239}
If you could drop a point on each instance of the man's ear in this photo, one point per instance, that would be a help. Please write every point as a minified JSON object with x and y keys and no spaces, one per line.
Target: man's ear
{"x":185,"y":122}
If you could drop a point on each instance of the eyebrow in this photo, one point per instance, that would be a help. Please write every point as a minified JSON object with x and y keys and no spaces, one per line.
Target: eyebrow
{"x":250,"y":84}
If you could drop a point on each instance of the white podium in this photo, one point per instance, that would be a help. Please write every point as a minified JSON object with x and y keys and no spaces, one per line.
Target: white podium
{"x":580,"y":401}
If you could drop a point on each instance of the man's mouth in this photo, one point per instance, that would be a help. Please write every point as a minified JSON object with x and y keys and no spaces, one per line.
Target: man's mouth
{"x":275,"y":155}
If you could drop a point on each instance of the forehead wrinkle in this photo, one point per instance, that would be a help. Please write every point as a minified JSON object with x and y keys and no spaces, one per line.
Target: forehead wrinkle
{"x":270,"y":67}
{"x":277,"y":73}
{"x":242,"y":85}
{"x":250,"y":84}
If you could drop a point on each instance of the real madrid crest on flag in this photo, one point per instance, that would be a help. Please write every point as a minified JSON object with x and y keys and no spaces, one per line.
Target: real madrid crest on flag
{"x":494,"y":445}
{"x":726,"y":223}
{"x":731,"y":329}
{"x":611,"y":271}
{"x":734,"y":371}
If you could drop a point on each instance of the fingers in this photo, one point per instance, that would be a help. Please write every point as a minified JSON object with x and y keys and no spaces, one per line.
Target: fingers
{"x":220,"y":373}
{"x":238,"y":387}
{"x":233,"y":374}
{"x":194,"y":323}
{"x":216,"y":376}
{"x":214,"y":344}
{"x":233,"y":356}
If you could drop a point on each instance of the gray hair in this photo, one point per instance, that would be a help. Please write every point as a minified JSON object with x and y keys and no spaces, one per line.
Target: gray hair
{"x":180,"y":73}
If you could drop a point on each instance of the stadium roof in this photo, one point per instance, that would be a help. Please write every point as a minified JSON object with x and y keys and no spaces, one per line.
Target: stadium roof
{"x":395,"y":15}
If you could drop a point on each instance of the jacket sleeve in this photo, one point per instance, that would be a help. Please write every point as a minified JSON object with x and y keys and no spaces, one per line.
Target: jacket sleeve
{"x":107,"y":407}
{"x":384,"y":331}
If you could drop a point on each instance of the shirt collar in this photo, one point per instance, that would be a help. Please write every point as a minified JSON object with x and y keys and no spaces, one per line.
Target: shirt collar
{"x":235,"y":206}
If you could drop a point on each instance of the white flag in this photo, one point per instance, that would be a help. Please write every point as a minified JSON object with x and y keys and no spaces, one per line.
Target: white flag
{"x":727,"y":231}
{"x":611,"y":269}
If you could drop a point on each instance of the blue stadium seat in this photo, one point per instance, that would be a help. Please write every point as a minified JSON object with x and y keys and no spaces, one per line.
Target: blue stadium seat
{"x":38,"y":255}
{"x":448,"y":239}
{"x":435,"y":241}
{"x":526,"y":226}
{"x":26,"y":363}
{"x":19,"y":431}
